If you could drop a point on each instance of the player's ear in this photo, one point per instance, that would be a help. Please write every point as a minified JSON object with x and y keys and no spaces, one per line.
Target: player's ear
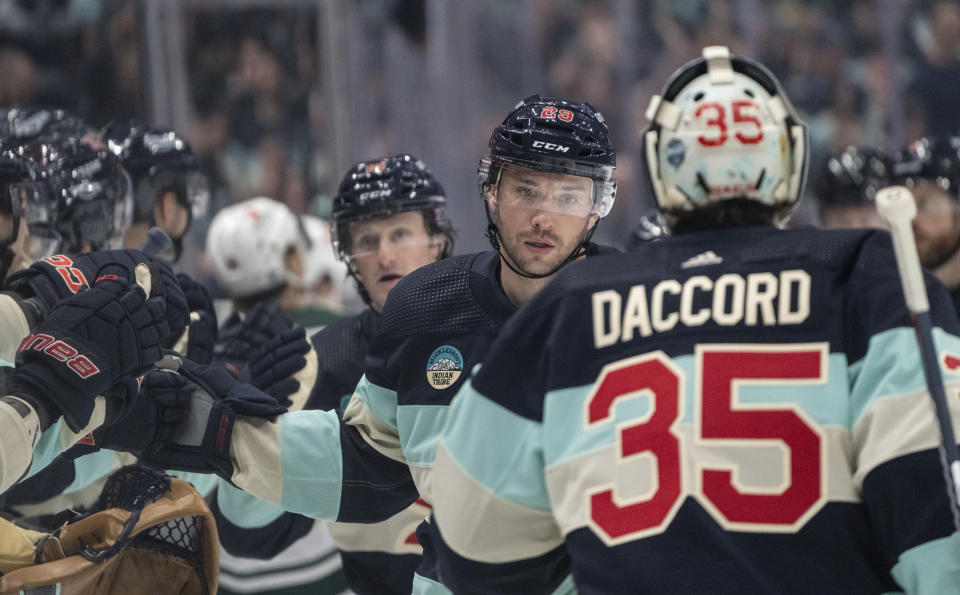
{"x":491,"y":194}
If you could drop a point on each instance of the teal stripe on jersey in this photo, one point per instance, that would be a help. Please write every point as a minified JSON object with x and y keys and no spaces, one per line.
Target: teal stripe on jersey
{"x":425,"y":586}
{"x":510,"y":438}
{"x":567,"y":587}
{"x":382,"y":402}
{"x":569,"y":437}
{"x":4,"y":362}
{"x":892,"y":366}
{"x":47,"y":448}
{"x":923,"y":570}
{"x":244,"y":510}
{"x":312,"y":463}
{"x":419,"y":428}
{"x":92,"y":467}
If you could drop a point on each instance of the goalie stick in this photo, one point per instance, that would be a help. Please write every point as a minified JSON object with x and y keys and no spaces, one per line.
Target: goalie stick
{"x":897,"y":206}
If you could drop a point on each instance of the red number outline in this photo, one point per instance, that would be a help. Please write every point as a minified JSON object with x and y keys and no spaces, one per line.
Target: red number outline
{"x":719,"y":121}
{"x":734,"y":506}
{"x":739,"y":117}
{"x":611,"y":517}
{"x":802,"y":491}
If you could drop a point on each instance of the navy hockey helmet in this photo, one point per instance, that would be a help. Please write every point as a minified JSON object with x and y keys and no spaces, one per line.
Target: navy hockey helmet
{"x":20,"y":126}
{"x":936,"y":159}
{"x":851,"y":176}
{"x":553,"y":136}
{"x":158,"y":160}
{"x":384,"y":187}
{"x":77,"y":197}
{"x":724,"y":143}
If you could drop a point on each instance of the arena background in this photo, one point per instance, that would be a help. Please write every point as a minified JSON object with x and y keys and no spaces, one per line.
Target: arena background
{"x":278,"y":97}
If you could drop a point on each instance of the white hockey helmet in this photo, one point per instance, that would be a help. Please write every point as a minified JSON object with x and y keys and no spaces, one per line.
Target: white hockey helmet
{"x":248,"y":244}
{"x":322,"y":261}
{"x":723,"y":129}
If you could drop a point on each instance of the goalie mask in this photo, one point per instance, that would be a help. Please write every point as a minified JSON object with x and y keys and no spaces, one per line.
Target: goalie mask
{"x":555,"y":137}
{"x":723,"y":130}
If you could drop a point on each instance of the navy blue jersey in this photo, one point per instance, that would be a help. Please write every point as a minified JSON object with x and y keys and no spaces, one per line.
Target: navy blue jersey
{"x":341,"y":350}
{"x":378,"y":557}
{"x":437,"y":324}
{"x":733,"y":411}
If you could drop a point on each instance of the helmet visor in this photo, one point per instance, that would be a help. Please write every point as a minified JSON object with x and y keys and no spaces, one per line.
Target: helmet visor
{"x":531,"y":188}
{"x":369,"y":244}
{"x":31,"y":202}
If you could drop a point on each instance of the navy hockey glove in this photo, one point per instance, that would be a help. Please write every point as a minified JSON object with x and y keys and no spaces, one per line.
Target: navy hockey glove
{"x":49,"y":280}
{"x":273,"y":365}
{"x":153,"y":418}
{"x":201,"y":335}
{"x":121,"y":264}
{"x":262,"y":323}
{"x":201,"y":442}
{"x":88,"y":343}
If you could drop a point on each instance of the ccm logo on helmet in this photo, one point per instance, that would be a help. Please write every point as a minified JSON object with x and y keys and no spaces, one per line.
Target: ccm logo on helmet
{"x":539,"y":144}
{"x":57,"y":349}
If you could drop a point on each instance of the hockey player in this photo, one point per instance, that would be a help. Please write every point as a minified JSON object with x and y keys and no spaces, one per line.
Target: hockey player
{"x":168,"y":188}
{"x":256,"y":249}
{"x":845,"y":187}
{"x":734,"y":408}
{"x":87,"y":345}
{"x":930,"y":167}
{"x":75,"y":199}
{"x":389,"y":219}
{"x":545,"y":184}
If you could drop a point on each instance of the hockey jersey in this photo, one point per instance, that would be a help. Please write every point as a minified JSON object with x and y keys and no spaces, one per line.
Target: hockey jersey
{"x":377,"y":558}
{"x":437,"y":324}
{"x":732,"y":411}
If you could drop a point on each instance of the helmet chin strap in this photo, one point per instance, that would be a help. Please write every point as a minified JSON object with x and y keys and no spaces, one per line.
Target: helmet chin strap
{"x":493,"y":234}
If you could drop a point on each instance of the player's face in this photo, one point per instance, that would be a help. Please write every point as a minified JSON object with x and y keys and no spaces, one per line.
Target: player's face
{"x":385,"y":250}
{"x":937,"y":225}
{"x":542,"y":216}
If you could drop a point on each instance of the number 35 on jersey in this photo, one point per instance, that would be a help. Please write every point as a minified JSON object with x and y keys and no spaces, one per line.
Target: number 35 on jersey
{"x":753,"y":466}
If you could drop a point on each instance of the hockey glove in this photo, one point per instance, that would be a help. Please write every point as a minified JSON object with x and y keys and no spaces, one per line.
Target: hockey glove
{"x":52,"y":279}
{"x":201,"y":442}
{"x":150,"y":422}
{"x":285,"y":367}
{"x":262,"y":323}
{"x":198,"y":340}
{"x":88,"y":343}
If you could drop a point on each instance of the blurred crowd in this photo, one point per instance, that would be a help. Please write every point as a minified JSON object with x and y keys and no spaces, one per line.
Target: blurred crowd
{"x":866,"y":73}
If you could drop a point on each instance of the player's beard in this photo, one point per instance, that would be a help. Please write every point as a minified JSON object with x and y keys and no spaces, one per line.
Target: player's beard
{"x":935,"y":250}
{"x":532,"y":263}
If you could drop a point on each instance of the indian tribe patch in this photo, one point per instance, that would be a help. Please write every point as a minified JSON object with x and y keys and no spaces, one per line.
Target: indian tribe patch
{"x":444,"y":366}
